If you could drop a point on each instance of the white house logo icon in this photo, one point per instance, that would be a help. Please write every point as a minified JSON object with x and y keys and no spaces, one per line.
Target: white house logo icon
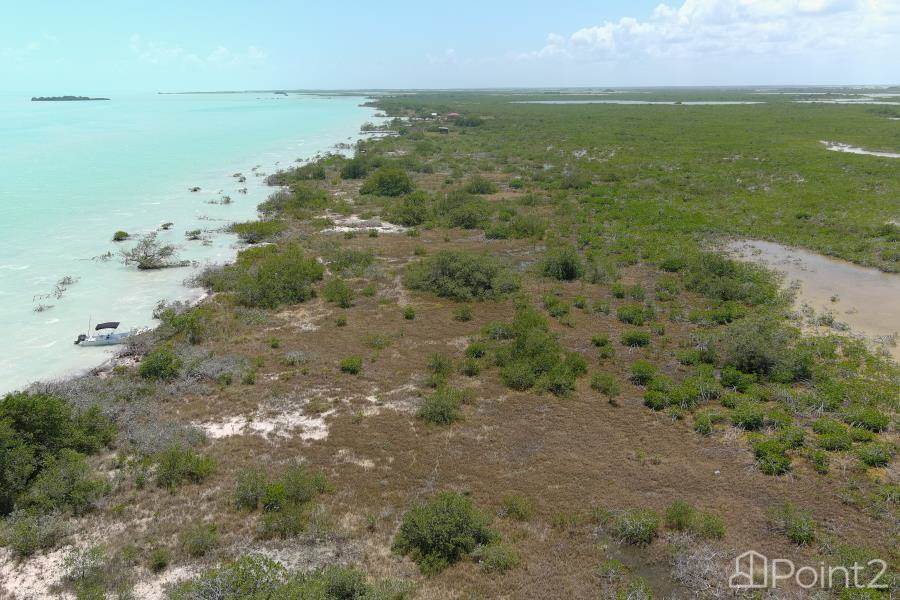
{"x":747,"y":569}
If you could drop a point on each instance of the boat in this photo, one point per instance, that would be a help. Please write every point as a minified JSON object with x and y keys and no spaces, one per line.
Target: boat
{"x":109,"y":337}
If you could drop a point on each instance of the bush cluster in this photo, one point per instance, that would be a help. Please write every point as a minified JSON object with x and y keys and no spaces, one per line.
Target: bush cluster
{"x":461,"y":276}
{"x":530,"y":356}
{"x":43,"y":471}
{"x":286,"y":501}
{"x":441,"y":531}
{"x":268,"y":276}
{"x":254,"y":232}
{"x":257,"y":576}
{"x":388,"y":181}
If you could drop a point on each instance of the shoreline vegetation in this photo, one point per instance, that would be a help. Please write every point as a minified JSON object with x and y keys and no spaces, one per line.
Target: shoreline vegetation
{"x":64,"y":98}
{"x":499,"y":351}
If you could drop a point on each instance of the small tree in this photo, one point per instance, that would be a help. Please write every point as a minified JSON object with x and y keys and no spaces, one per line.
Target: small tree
{"x":151,"y":254}
{"x":606,"y":384}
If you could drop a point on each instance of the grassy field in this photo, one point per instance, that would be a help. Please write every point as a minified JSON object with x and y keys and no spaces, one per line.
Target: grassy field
{"x":505,"y":359}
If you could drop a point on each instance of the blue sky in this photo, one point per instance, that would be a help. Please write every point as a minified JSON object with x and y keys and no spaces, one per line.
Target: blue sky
{"x":67,"y":47}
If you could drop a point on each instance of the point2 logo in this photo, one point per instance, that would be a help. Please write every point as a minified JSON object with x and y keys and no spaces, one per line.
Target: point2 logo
{"x":753,"y":570}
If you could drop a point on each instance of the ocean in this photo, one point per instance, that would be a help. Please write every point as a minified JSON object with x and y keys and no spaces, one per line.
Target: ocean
{"x":73,"y":173}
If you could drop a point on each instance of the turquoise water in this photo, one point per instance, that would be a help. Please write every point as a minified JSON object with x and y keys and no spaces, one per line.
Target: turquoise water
{"x":72,"y":173}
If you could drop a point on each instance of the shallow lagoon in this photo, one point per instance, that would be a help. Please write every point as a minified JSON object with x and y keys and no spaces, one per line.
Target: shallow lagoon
{"x":75,"y":172}
{"x":868,"y":300}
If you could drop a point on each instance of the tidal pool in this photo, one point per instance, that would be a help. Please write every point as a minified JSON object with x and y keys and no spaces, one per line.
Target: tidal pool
{"x":867,"y":300}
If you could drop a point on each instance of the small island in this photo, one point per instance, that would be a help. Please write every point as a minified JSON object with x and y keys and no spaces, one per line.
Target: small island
{"x":64,"y":98}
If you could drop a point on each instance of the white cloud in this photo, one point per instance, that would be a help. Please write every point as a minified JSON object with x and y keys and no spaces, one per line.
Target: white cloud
{"x":161,"y":53}
{"x":716,"y":28}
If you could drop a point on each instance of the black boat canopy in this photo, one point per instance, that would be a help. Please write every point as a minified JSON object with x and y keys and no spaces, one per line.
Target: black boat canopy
{"x":110,"y":325}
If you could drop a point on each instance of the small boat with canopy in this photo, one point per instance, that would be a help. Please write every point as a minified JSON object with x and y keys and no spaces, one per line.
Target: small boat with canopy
{"x":106,"y":334}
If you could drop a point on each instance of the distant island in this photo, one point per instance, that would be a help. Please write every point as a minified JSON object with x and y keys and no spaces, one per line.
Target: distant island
{"x":63,"y":98}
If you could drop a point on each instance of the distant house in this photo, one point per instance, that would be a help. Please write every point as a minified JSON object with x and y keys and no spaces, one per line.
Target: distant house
{"x":443,"y":130}
{"x":453,"y":115}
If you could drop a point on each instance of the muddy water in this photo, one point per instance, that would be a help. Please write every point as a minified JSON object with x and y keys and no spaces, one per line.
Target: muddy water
{"x":866,"y":299}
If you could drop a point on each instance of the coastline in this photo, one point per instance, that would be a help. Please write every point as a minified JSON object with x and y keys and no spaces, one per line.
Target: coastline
{"x":193,"y":295}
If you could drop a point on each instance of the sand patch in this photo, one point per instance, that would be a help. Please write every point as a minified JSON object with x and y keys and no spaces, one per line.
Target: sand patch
{"x":356,"y":224}
{"x":34,"y":577}
{"x":284,"y":418}
{"x":155,"y":587}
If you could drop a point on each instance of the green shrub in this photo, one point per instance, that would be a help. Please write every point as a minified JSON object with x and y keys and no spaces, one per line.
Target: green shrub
{"x":555,"y":306}
{"x":819,"y":461}
{"x":748,"y":415}
{"x":636,"y":526}
{"x":161,"y":364}
{"x":771,"y":456}
{"x":159,"y":559}
{"x":734,"y":379}
{"x":479,"y":185}
{"x":562,"y":263}
{"x":441,"y":531}
{"x":337,"y":291}
{"x":440,"y":364}
{"x":26,"y":532}
{"x":703,"y":423}
{"x":762,"y":344}
{"x":681,"y":516}
{"x":462,"y":313}
{"x":249,"y":488}
{"x":635,"y":338}
{"x":835,"y":442}
{"x":442,"y":407}
{"x":409,"y":313}
{"x":606,"y":384}
{"x":355,"y":168}
{"x":496,"y":558}
{"x":723,"y":278}
{"x":796,"y":524}
{"x":667,"y":288}
{"x":600,"y":340}
{"x":349,"y":261}
{"x":268,"y":276}
{"x":655,"y":400}
{"x":299,"y":201}
{"x":258,"y":577}
{"x":518,"y":507}
{"x":64,"y":483}
{"x":120,"y":236}
{"x":826,"y":425}
{"x":42,"y":433}
{"x":254,"y":232}
{"x":461,"y":276}
{"x":875,"y":454}
{"x":198,"y":539}
{"x":351,"y":365}
{"x":642,"y":372}
{"x":178,"y":464}
{"x":388,"y":181}
{"x":635,"y":314}
{"x":867,"y":417}
{"x":793,"y":437}
{"x":410,"y":210}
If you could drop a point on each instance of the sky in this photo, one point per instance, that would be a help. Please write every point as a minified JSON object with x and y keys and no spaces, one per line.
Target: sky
{"x":58,"y":47}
